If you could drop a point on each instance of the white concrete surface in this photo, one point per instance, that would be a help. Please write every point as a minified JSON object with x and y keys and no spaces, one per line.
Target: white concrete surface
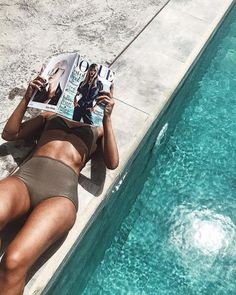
{"x":148,"y":73}
{"x":32,"y":31}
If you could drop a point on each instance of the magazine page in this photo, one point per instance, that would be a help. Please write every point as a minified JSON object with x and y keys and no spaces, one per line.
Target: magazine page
{"x":56,"y":74}
{"x":79,"y":100}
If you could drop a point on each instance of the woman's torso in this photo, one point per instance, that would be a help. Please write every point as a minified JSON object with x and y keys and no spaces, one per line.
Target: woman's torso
{"x":68,"y":141}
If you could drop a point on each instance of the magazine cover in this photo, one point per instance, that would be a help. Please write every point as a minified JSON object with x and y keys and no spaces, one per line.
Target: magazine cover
{"x":56,"y":74}
{"x":72,"y":88}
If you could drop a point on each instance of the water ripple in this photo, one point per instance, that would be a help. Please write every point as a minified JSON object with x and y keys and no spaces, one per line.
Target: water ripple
{"x":202,"y":231}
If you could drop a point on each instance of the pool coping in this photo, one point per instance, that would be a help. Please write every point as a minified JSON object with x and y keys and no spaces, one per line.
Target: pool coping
{"x":114,"y":178}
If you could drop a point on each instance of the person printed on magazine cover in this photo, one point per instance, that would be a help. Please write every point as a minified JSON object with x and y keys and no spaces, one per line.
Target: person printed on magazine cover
{"x":45,"y":185}
{"x":51,"y":92}
{"x":88,"y":90}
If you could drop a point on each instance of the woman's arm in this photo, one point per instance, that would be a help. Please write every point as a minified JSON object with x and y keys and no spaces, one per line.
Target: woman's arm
{"x":14,"y":129}
{"x":109,"y":146}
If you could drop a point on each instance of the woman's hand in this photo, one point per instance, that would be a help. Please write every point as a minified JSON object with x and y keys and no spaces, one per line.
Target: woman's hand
{"x":37,"y":84}
{"x":106,"y":99}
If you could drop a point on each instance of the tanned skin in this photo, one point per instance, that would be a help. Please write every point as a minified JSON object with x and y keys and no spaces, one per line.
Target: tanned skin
{"x":53,"y":217}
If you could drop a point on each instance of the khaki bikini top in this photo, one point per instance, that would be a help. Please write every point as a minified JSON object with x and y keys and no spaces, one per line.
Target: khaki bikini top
{"x":87,"y":133}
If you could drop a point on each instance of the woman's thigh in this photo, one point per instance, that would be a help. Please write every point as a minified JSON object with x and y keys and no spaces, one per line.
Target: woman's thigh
{"x":48,"y":221}
{"x":14,"y":199}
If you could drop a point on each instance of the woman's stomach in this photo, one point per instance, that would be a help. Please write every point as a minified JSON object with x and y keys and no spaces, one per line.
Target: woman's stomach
{"x":64,"y":147}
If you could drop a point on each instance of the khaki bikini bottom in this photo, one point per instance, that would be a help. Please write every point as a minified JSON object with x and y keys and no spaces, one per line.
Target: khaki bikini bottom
{"x":45,"y":177}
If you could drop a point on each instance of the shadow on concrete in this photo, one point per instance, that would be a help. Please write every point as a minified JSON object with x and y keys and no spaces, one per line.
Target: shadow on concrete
{"x":95,"y":183}
{"x":16,"y":92}
{"x":19,"y":150}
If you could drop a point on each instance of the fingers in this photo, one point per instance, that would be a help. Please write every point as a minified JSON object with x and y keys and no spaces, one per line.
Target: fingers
{"x":107,"y":93}
{"x":102,"y":98}
{"x":38,"y":83}
{"x":105,"y":101}
{"x":41,"y":79}
{"x":108,"y":102}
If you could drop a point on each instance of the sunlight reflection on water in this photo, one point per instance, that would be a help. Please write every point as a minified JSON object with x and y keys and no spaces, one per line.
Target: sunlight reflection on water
{"x":202,"y":230}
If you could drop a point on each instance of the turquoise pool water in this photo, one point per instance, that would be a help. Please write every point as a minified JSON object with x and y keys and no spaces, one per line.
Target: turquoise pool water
{"x":178,"y":236}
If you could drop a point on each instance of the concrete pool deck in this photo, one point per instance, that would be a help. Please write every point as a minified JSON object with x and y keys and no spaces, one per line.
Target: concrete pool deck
{"x":150,"y":62}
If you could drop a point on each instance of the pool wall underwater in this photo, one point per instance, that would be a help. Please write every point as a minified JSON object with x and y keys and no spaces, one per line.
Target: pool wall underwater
{"x":88,"y":252}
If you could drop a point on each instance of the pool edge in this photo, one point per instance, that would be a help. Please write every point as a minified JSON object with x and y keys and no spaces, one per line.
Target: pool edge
{"x":39,"y":285}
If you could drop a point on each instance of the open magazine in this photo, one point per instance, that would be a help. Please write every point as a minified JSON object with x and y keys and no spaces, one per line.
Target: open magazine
{"x":72,"y":88}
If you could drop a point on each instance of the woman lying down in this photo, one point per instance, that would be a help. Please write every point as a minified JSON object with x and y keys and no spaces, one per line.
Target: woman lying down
{"x":46,"y":185}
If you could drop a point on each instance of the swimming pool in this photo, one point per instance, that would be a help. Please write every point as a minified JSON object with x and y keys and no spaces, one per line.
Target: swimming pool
{"x":179,"y":235}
